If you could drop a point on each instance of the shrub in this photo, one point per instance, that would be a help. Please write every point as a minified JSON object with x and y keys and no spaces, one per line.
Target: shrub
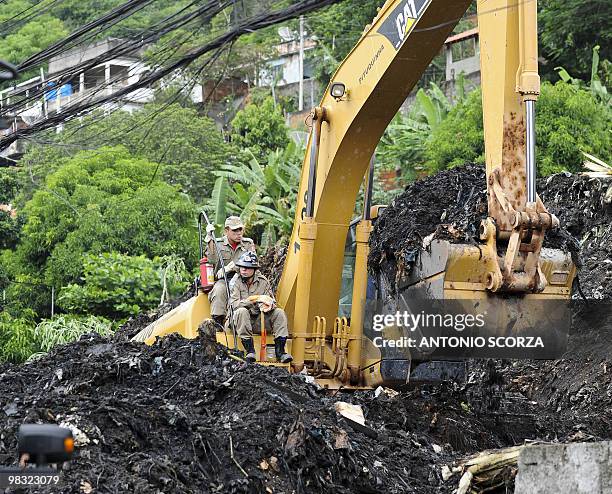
{"x":65,"y":329}
{"x":117,"y":285}
{"x":569,"y":121}
{"x":260,"y":128}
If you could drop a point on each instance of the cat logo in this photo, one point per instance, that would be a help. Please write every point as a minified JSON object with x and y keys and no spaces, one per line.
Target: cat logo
{"x":398,"y":24}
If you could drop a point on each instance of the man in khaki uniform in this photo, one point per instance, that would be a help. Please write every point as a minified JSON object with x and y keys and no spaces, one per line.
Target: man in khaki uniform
{"x":251,"y":295}
{"x":232,"y":246}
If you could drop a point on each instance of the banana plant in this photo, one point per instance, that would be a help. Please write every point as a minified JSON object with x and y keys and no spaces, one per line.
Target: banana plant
{"x":598,"y":90}
{"x":403,"y":143}
{"x":261,"y":194}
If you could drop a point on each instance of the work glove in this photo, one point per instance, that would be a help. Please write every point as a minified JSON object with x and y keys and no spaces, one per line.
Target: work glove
{"x":210,"y":232}
{"x":264,"y":302}
{"x":228,"y":269}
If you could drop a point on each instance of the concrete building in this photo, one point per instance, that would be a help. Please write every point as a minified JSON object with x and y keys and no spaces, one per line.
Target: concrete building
{"x":101,"y":80}
{"x":282,"y":73}
{"x":463,"y":56}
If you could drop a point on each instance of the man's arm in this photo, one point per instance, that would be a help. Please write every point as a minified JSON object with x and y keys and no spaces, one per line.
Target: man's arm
{"x":236,"y":300}
{"x":211,"y":253}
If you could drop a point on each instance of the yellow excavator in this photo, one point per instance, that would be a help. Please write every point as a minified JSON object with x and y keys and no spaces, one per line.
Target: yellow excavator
{"x":509,"y":266}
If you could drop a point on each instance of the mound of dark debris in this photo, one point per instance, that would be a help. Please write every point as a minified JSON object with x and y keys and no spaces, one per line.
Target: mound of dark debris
{"x":452,"y":203}
{"x":182,"y":416}
{"x":454,"y":198}
{"x":574,"y":393}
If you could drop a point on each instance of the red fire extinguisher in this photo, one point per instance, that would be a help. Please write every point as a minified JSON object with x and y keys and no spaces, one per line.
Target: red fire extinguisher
{"x":207,"y":275}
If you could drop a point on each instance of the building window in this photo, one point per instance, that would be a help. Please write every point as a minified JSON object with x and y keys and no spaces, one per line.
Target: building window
{"x":464,"y":49}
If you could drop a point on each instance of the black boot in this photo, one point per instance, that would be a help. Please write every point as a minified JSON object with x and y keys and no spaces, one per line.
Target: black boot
{"x":279,"y":350}
{"x":249,"y":349}
{"x":219,"y":321}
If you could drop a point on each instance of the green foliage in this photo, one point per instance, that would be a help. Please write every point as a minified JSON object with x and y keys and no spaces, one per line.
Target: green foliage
{"x":403,"y":143}
{"x":21,"y":338}
{"x":16,"y":337}
{"x":9,"y":230}
{"x":597,"y":88}
{"x":76,"y":13}
{"x":117,"y":285}
{"x":8,"y":185}
{"x":25,"y":39}
{"x":188,"y":145}
{"x":9,"y":226}
{"x":263,"y":196}
{"x":99,"y":201}
{"x":67,"y":328}
{"x":337,"y":29}
{"x":568,"y":32}
{"x":260,"y":129}
{"x":459,"y":138}
{"x":569,"y":121}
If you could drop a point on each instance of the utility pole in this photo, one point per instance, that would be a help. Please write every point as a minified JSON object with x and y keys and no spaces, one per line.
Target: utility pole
{"x":301,"y":66}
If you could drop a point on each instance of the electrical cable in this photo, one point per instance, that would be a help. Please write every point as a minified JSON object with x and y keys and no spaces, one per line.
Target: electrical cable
{"x":257,"y":22}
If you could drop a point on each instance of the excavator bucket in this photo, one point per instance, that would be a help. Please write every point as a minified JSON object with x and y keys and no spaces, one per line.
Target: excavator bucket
{"x":183,"y":319}
{"x":451,"y":279}
{"x":460,"y":274}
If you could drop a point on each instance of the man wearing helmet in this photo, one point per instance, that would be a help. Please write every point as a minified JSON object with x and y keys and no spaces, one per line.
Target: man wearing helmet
{"x":252,"y":294}
{"x":232,"y":246}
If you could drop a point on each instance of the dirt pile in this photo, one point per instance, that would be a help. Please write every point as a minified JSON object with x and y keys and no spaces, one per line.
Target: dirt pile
{"x":584,"y":208}
{"x":181,"y":416}
{"x":451,"y":205}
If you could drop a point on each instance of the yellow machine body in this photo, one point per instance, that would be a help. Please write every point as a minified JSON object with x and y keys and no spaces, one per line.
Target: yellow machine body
{"x":377,"y":76}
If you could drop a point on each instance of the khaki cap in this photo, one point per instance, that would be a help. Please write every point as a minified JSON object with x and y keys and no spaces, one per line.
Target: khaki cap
{"x":233,"y":223}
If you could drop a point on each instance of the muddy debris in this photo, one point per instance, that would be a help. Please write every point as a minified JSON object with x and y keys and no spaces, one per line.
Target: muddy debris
{"x":451,"y":205}
{"x":176,"y":417}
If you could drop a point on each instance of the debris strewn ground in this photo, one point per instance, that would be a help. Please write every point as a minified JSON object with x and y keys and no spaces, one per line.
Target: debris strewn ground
{"x":182,"y":416}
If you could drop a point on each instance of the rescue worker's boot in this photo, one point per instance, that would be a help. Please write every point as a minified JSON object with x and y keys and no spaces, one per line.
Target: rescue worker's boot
{"x":219,"y":322}
{"x":279,"y":349}
{"x":249,"y":348}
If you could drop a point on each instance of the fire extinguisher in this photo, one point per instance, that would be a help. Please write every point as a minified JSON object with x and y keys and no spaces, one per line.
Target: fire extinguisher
{"x":207,"y":275}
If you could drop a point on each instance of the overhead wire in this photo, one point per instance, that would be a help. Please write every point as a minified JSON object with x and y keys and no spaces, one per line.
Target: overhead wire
{"x":262,"y":20}
{"x":61,"y":77}
{"x":6,"y":26}
{"x":115,"y":15}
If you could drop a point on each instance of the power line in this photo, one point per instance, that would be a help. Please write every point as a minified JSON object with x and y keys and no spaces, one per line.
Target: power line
{"x":254,"y":23}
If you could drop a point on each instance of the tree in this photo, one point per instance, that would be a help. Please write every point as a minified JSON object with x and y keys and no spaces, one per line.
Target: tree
{"x":22,"y":37}
{"x":189,"y":145}
{"x":263,"y":196}
{"x":402,"y":146}
{"x":570,"y":30}
{"x":117,"y":285}
{"x":260,"y":128}
{"x":98,"y":201}
{"x":459,"y":138}
{"x":337,"y":29}
{"x":569,"y":120}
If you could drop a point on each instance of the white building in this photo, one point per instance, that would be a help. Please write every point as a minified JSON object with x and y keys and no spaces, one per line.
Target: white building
{"x":101,"y":80}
